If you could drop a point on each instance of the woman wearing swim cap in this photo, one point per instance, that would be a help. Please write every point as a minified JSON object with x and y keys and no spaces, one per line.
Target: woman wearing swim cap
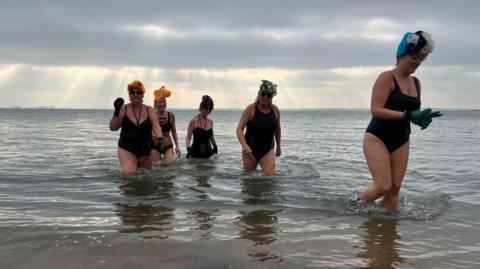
{"x":137,"y":122}
{"x":262,"y":122}
{"x":166,"y":119}
{"x":201,"y":127}
{"x":395,"y":103}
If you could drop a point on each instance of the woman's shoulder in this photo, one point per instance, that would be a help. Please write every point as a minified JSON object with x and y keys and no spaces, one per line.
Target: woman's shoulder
{"x":251,"y":107}
{"x":150,"y":108}
{"x":386,"y":79}
{"x":171,"y":115}
{"x":387,"y":74}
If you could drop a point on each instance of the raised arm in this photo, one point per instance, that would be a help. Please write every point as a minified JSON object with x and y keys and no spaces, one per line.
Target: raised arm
{"x":116,"y":121}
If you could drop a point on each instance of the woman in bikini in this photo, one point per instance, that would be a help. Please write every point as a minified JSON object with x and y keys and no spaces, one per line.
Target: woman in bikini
{"x":166,"y":120}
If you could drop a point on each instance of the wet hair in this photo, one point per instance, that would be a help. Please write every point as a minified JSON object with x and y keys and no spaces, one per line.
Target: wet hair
{"x":207,"y":102}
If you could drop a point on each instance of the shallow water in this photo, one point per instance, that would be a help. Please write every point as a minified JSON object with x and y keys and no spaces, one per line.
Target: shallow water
{"x":64,"y":203}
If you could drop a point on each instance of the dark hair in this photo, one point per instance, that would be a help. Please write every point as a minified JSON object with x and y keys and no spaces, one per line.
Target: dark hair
{"x":207,"y":102}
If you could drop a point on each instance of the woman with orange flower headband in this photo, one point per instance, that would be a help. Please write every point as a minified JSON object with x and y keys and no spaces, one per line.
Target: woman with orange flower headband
{"x":137,"y":122}
{"x":166,"y":120}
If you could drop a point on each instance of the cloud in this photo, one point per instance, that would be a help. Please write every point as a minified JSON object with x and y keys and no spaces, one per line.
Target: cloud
{"x":224,"y":46}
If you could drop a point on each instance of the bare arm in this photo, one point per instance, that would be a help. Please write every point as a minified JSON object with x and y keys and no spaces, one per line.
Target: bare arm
{"x":174,"y":129}
{"x":191,"y":125}
{"x":212,"y":139}
{"x":246,"y":116}
{"x":278,"y":131}
{"x":116,"y":122}
{"x":154,"y":120}
{"x":381,"y":90}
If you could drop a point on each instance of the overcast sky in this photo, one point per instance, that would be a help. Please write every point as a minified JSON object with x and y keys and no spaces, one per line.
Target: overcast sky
{"x":322,"y":54}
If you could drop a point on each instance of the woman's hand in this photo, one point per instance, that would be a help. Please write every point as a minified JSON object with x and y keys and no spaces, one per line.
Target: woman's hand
{"x":246,"y":149}
{"x":278,"y":152}
{"x":177,"y":151}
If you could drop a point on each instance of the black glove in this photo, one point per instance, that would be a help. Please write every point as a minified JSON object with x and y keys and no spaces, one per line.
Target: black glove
{"x":118,"y":105}
{"x":159,"y":145}
{"x":215,"y":149}
{"x":189,"y":152}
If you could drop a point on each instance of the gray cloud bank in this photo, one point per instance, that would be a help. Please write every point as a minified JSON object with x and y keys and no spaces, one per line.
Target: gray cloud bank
{"x":232,"y":34}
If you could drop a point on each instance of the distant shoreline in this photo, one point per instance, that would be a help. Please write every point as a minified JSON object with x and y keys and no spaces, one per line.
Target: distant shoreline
{"x":224,"y":109}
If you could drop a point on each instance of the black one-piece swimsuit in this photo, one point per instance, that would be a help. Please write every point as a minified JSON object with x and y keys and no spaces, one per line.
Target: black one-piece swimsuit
{"x":395,"y":133}
{"x":260,"y":132}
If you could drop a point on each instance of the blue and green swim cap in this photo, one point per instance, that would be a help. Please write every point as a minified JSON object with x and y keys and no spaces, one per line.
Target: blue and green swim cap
{"x":414,"y":43}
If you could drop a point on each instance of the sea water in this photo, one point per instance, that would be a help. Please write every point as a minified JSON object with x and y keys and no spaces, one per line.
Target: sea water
{"x":65,"y":204}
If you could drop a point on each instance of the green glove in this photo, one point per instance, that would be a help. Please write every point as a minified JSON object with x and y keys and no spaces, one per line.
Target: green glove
{"x":423,"y":118}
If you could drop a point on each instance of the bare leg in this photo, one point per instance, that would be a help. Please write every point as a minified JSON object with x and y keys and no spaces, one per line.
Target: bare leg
{"x":267,"y":163}
{"x":145,"y":161}
{"x":249,"y":162}
{"x":168,"y":156}
{"x":398,"y":164}
{"x":378,"y":159}
{"x":128,"y":161}
{"x":155,"y":156}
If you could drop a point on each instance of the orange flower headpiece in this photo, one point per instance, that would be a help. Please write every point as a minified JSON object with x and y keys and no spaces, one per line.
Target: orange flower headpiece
{"x":161,"y":93}
{"x":136,"y":84}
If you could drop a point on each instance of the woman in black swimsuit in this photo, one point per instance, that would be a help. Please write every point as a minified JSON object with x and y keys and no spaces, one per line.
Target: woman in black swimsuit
{"x":395,"y":102}
{"x":137,"y":122}
{"x":166,"y":119}
{"x":201,"y":127}
{"x":262,"y":121}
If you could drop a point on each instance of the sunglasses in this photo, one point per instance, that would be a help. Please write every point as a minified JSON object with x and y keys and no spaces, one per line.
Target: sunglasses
{"x":135,"y":92}
{"x":269,"y":95}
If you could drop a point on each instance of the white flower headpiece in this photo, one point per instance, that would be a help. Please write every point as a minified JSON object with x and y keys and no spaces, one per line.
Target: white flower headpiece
{"x":268,"y":87}
{"x":430,"y":44}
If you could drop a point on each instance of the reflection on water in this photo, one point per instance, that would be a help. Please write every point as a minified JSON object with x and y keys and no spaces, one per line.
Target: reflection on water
{"x":204,"y":217}
{"x":259,"y":191}
{"x":259,"y":226}
{"x":142,"y":212}
{"x":162,"y":188}
{"x":143,"y":218}
{"x":381,"y":246}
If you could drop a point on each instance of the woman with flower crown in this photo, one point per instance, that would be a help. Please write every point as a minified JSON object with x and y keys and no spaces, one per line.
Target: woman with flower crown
{"x":166,"y":119}
{"x":262,"y":122}
{"x":137,"y":122}
{"x":395,"y":103}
